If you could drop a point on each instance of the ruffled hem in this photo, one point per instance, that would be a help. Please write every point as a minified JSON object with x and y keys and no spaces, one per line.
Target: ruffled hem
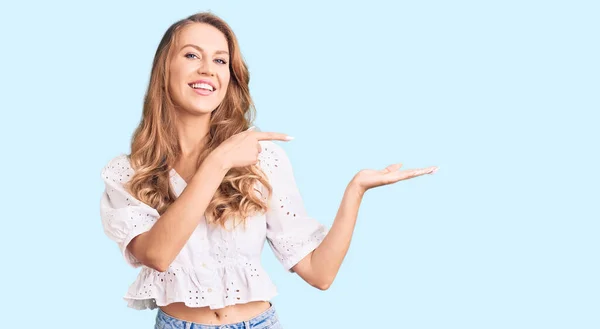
{"x":216,"y":288}
{"x":150,"y":304}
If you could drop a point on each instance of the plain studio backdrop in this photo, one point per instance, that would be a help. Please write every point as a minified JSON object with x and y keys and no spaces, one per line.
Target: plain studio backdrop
{"x":503,"y":96}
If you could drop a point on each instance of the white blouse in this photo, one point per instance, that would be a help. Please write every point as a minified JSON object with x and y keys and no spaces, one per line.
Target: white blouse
{"x":217,"y":267}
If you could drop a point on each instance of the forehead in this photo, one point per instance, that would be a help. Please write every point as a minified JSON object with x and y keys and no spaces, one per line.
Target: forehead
{"x":203,"y":35}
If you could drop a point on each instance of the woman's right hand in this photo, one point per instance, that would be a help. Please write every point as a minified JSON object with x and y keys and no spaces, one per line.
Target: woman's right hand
{"x":242,"y":149}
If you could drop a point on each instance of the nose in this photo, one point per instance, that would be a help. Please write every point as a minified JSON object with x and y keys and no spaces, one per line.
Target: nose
{"x":206,"y":68}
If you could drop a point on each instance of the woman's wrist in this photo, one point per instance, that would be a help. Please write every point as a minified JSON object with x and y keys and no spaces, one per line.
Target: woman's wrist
{"x":355,"y":188}
{"x":214,"y":164}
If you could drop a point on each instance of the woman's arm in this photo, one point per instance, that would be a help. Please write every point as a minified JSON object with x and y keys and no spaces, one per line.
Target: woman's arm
{"x":321,"y":266}
{"x":158,"y":247}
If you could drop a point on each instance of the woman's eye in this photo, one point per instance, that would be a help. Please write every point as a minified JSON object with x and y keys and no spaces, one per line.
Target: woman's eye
{"x":190,"y":54}
{"x":221,"y":61}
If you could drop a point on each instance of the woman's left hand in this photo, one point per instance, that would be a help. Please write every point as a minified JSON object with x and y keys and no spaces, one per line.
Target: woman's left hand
{"x":369,"y":178}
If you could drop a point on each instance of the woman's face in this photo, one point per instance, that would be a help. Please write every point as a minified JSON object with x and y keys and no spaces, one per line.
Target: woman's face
{"x":199,"y":69}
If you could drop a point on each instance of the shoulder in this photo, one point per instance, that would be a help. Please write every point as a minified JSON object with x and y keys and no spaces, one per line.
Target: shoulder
{"x":118,"y":169}
{"x":274,"y":161}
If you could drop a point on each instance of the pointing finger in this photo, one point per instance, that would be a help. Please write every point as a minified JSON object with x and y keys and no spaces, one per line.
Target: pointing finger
{"x":262,"y":135}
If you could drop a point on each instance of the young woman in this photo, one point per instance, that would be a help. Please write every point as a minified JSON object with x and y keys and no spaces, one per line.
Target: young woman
{"x":201,"y":192}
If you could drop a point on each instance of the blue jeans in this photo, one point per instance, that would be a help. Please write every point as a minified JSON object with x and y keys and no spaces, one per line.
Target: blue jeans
{"x":266,"y":320}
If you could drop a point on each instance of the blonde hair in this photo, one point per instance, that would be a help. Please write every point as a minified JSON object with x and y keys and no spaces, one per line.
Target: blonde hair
{"x":155,"y":146}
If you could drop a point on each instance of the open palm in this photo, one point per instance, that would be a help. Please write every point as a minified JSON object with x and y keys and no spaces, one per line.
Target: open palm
{"x":369,"y":178}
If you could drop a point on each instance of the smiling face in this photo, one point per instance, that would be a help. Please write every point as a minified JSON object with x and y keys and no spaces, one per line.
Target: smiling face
{"x":199,"y":69}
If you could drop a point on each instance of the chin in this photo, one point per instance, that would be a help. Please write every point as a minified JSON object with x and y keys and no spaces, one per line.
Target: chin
{"x":202,"y":111}
{"x":202,"y":108}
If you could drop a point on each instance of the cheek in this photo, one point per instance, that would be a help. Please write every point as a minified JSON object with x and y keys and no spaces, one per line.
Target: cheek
{"x":174,"y":84}
{"x":176,"y":93}
{"x":172,"y":87}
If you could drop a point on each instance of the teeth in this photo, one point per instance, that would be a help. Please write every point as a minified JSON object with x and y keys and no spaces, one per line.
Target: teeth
{"x":202,"y":86}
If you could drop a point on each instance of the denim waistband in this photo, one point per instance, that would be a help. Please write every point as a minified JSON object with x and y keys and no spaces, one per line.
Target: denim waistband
{"x":263,"y":320}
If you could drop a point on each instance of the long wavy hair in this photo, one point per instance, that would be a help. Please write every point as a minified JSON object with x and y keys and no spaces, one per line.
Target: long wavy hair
{"x":155,"y":147}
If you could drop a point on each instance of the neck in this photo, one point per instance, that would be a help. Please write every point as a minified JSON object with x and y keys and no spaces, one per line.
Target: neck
{"x":191,"y":131}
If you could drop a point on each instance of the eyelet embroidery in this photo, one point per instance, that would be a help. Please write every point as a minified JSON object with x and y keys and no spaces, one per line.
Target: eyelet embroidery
{"x":286,"y":206}
{"x":230,"y":275}
{"x":291,"y":247}
{"x":264,"y":158}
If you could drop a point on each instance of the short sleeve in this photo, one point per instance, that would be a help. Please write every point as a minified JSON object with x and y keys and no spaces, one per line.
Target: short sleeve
{"x":291,"y":233}
{"x":123,"y":216}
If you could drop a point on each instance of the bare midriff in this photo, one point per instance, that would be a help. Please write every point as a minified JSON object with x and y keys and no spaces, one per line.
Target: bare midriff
{"x":227,"y":315}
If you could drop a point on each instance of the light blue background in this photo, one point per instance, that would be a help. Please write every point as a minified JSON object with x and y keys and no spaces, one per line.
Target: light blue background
{"x":503,"y":96}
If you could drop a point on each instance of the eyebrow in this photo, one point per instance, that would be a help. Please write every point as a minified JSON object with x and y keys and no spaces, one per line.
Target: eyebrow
{"x":202,"y":50}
